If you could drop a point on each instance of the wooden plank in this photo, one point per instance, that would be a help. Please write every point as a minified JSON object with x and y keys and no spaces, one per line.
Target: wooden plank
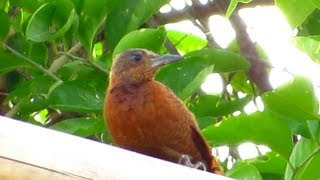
{"x":16,"y":170}
{"x":67,"y":154}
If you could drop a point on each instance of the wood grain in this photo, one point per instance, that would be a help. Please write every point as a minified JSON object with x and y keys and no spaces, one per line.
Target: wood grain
{"x":31,"y":152}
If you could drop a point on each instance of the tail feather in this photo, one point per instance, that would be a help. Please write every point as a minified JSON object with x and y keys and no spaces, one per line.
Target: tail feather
{"x":205,"y":151}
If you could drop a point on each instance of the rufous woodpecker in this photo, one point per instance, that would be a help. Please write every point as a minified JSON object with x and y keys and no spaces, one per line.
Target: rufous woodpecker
{"x":145,"y":116}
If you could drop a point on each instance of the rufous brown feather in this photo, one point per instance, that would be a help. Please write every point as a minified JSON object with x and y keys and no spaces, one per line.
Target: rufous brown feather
{"x":145,"y":116}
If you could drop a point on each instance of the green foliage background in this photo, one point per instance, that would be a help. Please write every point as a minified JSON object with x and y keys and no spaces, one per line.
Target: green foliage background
{"x":55,"y":58}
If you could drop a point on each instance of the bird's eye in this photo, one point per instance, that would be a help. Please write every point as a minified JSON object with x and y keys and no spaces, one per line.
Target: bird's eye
{"x":136,"y":57}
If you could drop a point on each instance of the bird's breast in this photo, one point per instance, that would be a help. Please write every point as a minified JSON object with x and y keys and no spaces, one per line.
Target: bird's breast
{"x":131,"y":113}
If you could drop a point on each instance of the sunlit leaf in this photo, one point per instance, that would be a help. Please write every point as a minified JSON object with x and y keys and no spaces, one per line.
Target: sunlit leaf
{"x":269,"y":165}
{"x":185,"y":42}
{"x":92,"y":16}
{"x":232,"y":6}
{"x":185,"y":77}
{"x":151,"y":39}
{"x":128,"y":15}
{"x":295,"y":102}
{"x":210,"y":105}
{"x":295,"y":11}
{"x":244,"y":171}
{"x":258,"y":128}
{"x":305,"y":158}
{"x":310,"y":27}
{"x":309,"y":45}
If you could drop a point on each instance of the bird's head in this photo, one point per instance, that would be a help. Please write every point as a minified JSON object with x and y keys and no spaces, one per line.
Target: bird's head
{"x":138,"y":65}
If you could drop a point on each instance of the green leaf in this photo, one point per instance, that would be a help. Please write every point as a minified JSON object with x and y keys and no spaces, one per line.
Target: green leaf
{"x":258,"y":128}
{"x":92,"y":15}
{"x":10,"y":62}
{"x":78,"y":95}
{"x":78,"y":70}
{"x":186,"y":43}
{"x":29,"y":5}
{"x":38,"y":52}
{"x":310,"y":170}
{"x":51,"y":21}
{"x":295,"y":11}
{"x":128,"y":15}
{"x":204,"y":105}
{"x":232,"y":6}
{"x":83,"y":127}
{"x":151,"y":39}
{"x":223,"y":60}
{"x":309,"y":45}
{"x":210,"y":105}
{"x":239,"y":82}
{"x":244,"y":171}
{"x":305,"y":159}
{"x":310,"y":27}
{"x":271,"y":164}
{"x":205,"y":121}
{"x":316,"y":3}
{"x":185,"y":77}
{"x":5,"y":24}
{"x":295,"y":102}
{"x":38,"y":28}
{"x":31,"y":94}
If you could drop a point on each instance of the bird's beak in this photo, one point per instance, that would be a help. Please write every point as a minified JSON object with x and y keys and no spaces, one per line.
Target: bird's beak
{"x":164,"y":59}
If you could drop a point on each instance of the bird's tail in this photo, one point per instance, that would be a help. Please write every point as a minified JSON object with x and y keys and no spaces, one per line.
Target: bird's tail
{"x":205,"y":151}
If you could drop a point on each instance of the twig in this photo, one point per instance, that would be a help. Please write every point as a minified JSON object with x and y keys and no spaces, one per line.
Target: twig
{"x":202,"y":22}
{"x":32,"y":62}
{"x":203,"y":25}
{"x":94,"y":65}
{"x":59,"y":62}
{"x":168,"y":44}
{"x":258,"y":69}
{"x":13,"y":111}
{"x":170,"y":47}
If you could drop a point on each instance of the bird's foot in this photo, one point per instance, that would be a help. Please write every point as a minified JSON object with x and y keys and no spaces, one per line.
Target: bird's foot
{"x":186,"y":160}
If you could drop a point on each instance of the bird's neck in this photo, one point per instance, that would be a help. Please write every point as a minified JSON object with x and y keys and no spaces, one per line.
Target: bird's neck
{"x":126,"y":85}
{"x":118,"y":80}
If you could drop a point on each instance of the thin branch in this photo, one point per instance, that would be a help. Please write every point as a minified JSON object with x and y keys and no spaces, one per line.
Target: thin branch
{"x":203,"y":25}
{"x":197,"y":11}
{"x":32,"y":62}
{"x":258,"y":69}
{"x":59,"y":62}
{"x":170,"y":46}
{"x":3,"y":93}
{"x":14,"y":110}
{"x":94,"y":65}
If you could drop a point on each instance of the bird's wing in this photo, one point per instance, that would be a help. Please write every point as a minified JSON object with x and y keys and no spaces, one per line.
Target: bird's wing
{"x":184,"y":124}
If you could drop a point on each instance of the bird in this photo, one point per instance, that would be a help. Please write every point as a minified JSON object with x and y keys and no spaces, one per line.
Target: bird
{"x":145,"y":116}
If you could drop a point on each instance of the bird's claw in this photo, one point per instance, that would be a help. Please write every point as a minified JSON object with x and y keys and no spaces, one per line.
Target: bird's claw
{"x":186,"y":160}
